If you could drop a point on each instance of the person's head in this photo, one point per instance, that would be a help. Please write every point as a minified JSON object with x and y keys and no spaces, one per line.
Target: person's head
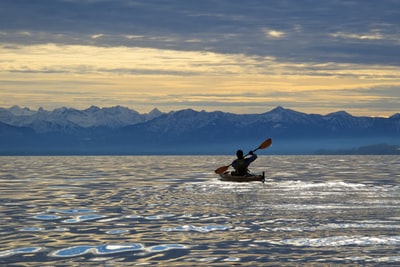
{"x":239,"y":154}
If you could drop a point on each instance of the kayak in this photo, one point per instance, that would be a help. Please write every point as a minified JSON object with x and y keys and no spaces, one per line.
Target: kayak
{"x":228,"y":177}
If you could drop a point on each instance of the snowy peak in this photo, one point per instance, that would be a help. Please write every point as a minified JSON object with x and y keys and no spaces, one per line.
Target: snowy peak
{"x":153,"y":114}
{"x":280,"y":114}
{"x":122,"y":130}
{"x":92,"y":109}
{"x":342,"y":119}
{"x":17,"y":111}
{"x":340,"y":113}
{"x":285,"y":113}
{"x":279,"y":119}
{"x":113,"y":117}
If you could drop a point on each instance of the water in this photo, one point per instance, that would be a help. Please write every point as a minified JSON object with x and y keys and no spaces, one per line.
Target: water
{"x":172,"y":211}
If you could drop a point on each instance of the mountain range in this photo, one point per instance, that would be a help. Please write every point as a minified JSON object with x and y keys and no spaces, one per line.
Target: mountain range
{"x":120,"y":130}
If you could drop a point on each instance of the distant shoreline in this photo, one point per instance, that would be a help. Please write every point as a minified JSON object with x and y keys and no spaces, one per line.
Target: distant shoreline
{"x":376,"y":149}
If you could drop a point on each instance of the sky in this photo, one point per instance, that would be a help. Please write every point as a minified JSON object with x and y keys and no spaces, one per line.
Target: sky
{"x":235,"y":56}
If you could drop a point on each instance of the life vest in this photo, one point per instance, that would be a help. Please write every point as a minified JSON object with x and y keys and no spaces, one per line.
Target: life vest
{"x":241,"y":167}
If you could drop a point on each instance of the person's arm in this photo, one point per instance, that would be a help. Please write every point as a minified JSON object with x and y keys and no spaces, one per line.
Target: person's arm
{"x":251,"y":159}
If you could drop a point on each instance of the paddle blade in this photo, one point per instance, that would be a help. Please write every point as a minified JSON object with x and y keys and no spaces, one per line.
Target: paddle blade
{"x":222,"y":169}
{"x":265,"y":144}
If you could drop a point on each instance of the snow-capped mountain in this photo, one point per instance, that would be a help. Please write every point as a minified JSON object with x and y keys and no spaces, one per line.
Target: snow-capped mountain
{"x":120,"y":130}
{"x":68,"y":118}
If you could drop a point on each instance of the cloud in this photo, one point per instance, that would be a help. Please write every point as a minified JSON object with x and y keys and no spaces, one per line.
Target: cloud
{"x":147,"y":77}
{"x":255,"y":53}
{"x":305,"y":32}
{"x":95,"y":36}
{"x":273,"y":33}
{"x":368,"y":36}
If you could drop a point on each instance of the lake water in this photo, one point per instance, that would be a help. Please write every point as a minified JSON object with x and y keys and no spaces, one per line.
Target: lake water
{"x":173,"y":211}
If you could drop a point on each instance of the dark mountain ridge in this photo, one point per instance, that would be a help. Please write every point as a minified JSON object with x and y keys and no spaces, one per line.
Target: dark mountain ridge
{"x":119,"y":130}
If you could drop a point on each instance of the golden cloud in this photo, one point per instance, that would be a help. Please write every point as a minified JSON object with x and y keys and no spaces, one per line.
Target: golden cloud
{"x":146,"y":76}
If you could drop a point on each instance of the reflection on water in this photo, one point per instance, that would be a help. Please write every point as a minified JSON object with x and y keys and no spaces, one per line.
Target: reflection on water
{"x":172,"y":210}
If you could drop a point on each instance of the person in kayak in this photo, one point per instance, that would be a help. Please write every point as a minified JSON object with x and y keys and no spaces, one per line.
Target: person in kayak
{"x":241,"y":164}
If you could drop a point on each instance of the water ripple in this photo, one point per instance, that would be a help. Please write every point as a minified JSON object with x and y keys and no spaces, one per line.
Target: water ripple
{"x":337,"y":241}
{"x":83,"y":218}
{"x":173,"y":211}
{"x":116,"y":231}
{"x":48,"y":217}
{"x":71,"y":211}
{"x":97,"y":250}
{"x":113,"y":249}
{"x":166,"y":247}
{"x":201,"y":229}
{"x":26,"y":250}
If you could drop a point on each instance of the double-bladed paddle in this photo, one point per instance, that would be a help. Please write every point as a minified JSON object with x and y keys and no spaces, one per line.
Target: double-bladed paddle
{"x":263,"y":145}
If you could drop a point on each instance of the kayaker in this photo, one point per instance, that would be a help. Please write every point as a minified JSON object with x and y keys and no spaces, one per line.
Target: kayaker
{"x":241,"y":164}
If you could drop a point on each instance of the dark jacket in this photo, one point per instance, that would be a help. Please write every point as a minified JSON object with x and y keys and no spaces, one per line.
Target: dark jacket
{"x":247,"y":161}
